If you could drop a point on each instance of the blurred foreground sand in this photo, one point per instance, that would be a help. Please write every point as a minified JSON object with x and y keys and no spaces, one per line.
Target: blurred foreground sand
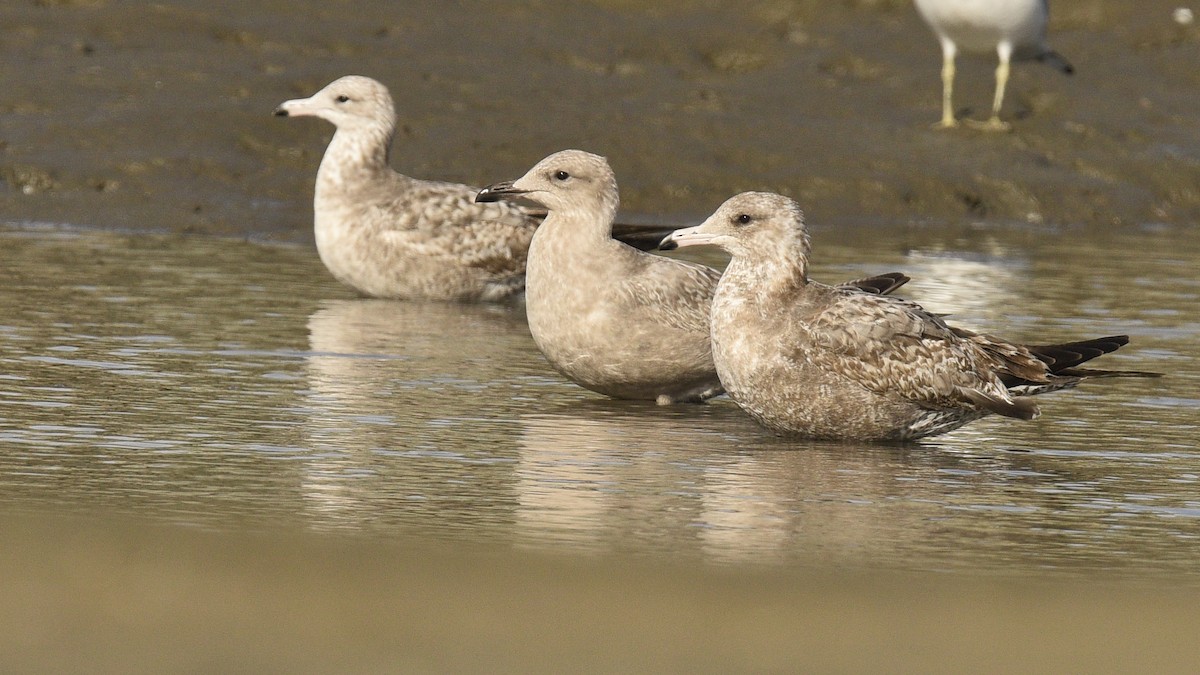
{"x":83,"y":597}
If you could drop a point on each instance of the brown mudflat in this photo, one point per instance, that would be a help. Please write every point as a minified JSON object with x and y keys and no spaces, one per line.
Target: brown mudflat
{"x":158,"y":116}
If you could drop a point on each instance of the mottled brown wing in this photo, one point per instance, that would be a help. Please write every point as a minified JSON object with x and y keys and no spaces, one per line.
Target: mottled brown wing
{"x":436,"y":208}
{"x":896,"y":347}
{"x":442,"y":219}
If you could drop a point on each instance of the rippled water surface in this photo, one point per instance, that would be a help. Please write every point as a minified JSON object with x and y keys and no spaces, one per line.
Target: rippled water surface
{"x":234,"y":386}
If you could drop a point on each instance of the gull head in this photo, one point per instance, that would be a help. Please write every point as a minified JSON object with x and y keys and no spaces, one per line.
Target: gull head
{"x":751,"y":224}
{"x":570,"y":180}
{"x":350,"y":103}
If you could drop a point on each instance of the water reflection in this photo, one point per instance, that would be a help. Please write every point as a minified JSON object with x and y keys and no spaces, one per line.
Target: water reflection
{"x":603,"y":479}
{"x":233,"y":386}
{"x":408,"y":409}
{"x":971,"y":287}
{"x":604,"y":475}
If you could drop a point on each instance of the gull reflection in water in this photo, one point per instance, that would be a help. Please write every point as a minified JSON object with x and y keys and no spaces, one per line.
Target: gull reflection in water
{"x":388,"y":383}
{"x":597,"y":473}
{"x":706,"y":479}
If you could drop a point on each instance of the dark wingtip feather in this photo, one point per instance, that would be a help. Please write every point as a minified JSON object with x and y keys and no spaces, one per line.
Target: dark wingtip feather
{"x":1066,"y":355}
{"x":881,"y":284}
{"x":1057,"y":61}
{"x":1063,"y":359}
{"x":1094,"y":372}
{"x":641,"y":237}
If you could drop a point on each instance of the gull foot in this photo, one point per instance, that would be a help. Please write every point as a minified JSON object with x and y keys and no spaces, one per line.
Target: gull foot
{"x":694,"y":396}
{"x":993,"y":124}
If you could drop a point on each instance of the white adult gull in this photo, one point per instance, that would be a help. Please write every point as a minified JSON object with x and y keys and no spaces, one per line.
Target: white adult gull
{"x":1015,"y":29}
{"x":817,"y":361}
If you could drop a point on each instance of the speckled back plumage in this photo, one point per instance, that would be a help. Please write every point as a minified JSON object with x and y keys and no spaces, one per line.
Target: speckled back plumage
{"x":391,"y":236}
{"x":839,"y":363}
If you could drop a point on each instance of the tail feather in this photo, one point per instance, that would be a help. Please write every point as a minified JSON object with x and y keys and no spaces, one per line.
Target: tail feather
{"x":1056,"y":61}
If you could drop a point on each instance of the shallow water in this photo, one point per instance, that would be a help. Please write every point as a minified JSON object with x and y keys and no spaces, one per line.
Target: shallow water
{"x":235,"y":387}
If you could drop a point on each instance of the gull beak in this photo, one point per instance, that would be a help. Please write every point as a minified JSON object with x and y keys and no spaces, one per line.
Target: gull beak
{"x":295,"y":108}
{"x":497,"y":191}
{"x":688,"y":236}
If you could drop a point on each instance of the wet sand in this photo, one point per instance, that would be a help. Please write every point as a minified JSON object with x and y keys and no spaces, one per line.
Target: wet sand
{"x":149,"y":600}
{"x":127,"y":115}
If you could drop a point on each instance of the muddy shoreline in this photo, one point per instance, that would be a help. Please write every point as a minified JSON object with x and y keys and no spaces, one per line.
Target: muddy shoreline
{"x":125,"y":115}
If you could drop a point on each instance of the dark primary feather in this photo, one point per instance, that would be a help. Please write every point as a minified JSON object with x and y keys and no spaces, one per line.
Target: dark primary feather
{"x":1069,"y":354}
{"x":641,"y":237}
{"x":1062,"y":359}
{"x":881,"y":284}
{"x":1056,"y":61}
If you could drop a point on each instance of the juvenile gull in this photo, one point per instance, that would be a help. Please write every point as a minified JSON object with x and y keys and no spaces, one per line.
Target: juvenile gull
{"x":390,"y":236}
{"x":1016,"y":29}
{"x":836,"y":363}
{"x":609,"y":317}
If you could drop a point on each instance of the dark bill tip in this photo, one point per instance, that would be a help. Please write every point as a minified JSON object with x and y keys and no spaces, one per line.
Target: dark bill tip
{"x":280,"y":112}
{"x":498,"y":191}
{"x":667,"y":244}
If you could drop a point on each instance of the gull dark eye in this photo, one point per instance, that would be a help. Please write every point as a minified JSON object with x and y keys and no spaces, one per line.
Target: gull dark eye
{"x":561,"y":175}
{"x":743,"y":219}
{"x":342,"y":98}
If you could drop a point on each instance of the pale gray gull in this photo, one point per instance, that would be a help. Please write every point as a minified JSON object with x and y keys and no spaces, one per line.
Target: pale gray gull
{"x":1015,"y":29}
{"x":609,"y":317}
{"x":390,"y":236}
{"x":836,"y":363}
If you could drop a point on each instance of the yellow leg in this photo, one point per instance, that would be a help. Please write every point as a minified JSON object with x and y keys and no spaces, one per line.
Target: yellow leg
{"x":994,"y":123}
{"x":948,"y":121}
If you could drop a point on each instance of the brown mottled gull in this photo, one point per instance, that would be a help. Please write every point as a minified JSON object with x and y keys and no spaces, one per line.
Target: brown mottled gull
{"x":609,"y":317}
{"x":1016,"y":29}
{"x":836,"y":363}
{"x":390,"y":236}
